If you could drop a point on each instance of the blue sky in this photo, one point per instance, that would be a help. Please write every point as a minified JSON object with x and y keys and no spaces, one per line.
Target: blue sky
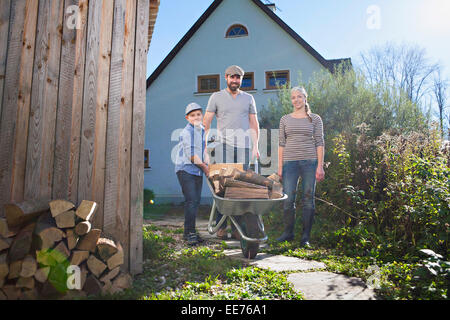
{"x":336,"y":29}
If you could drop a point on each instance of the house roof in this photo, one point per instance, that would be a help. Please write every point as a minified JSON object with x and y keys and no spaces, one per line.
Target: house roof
{"x":328,"y":64}
{"x":153,"y":13}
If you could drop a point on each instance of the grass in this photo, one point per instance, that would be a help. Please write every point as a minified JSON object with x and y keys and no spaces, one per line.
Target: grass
{"x":173,"y":271}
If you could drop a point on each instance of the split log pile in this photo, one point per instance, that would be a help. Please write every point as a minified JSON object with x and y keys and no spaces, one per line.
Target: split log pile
{"x":232,"y":182}
{"x":49,"y":250}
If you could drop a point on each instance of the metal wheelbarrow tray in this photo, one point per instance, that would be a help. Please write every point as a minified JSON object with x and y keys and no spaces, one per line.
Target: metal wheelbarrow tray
{"x":246,"y":215}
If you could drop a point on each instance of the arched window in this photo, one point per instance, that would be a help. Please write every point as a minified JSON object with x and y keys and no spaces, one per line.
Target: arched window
{"x":237,"y":30}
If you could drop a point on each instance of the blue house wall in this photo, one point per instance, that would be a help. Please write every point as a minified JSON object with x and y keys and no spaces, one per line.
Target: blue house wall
{"x":268,"y":47}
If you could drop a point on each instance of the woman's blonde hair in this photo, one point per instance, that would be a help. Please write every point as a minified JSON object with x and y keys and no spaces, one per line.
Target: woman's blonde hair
{"x":307,"y":107}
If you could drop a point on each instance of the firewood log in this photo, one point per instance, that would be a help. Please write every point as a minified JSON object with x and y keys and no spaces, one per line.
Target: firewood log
{"x":72,"y":239}
{"x":84,"y":273}
{"x":117,"y":259}
{"x":89,"y":241}
{"x":107,"y":287}
{"x":106,"y":248}
{"x":29,"y":267}
{"x":86,"y":209}
{"x":246,"y":193}
{"x":92,"y":286}
{"x":274,"y":177}
{"x":5,"y":231}
{"x":21,"y":244}
{"x":277,"y":191}
{"x":2,"y":295}
{"x":11,"y":292}
{"x":18,"y":214}
{"x":110,"y":275}
{"x":123,"y":281}
{"x":61,"y":247}
{"x":47,"y":231}
{"x":60,"y":206}
{"x":230,"y":182}
{"x":78,"y":256}
{"x":14,"y":269}
{"x":4,"y":266}
{"x":82,"y":228}
{"x":252,"y":177}
{"x":41,"y":274}
{"x":65,"y":219}
{"x":25,"y":283}
{"x":218,"y":166}
{"x":49,"y":291}
{"x":96,"y":266}
{"x":29,"y":294}
{"x":5,"y":243}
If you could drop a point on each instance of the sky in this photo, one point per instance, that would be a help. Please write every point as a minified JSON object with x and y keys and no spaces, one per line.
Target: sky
{"x":336,"y":29}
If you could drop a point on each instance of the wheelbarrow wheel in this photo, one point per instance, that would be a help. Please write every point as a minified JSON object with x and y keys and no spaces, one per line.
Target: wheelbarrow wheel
{"x":250,"y":227}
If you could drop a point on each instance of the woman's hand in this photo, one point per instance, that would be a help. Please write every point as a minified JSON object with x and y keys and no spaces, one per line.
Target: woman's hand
{"x":280,"y":173}
{"x":320,"y":174}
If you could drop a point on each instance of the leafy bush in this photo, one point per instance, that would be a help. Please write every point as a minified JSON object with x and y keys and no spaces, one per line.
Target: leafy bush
{"x":387,"y":177}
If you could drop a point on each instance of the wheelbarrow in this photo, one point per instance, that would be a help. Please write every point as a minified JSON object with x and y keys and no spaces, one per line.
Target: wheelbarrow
{"x":246,"y":215}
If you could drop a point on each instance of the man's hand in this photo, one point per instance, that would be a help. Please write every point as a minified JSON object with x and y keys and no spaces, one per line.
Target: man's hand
{"x":255,"y":154}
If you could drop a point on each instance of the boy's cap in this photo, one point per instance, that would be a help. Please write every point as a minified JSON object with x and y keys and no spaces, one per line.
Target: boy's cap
{"x":232,"y":70}
{"x":191,"y":107}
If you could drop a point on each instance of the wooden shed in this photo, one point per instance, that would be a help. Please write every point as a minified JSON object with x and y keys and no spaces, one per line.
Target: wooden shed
{"x":72,"y":108}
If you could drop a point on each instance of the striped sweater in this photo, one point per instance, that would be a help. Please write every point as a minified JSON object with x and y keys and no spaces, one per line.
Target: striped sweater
{"x":300,"y":137}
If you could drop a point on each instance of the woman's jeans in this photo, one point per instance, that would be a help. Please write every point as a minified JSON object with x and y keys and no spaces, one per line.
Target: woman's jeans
{"x":191,"y":185}
{"x":292,"y":171}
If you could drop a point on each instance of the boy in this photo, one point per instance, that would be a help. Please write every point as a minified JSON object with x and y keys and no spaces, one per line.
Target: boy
{"x":189,"y":167}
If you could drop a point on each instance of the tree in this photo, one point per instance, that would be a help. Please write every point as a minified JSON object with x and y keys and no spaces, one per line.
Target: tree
{"x":404,"y":67}
{"x":440,"y":87}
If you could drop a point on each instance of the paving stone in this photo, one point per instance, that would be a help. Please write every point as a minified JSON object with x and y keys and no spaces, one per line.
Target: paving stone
{"x":324,"y":285}
{"x":276,"y":263}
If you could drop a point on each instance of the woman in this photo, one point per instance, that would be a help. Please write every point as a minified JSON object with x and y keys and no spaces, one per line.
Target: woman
{"x":300,"y":154}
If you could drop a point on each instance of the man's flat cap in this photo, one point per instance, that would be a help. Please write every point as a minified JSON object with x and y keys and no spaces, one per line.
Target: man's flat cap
{"x":232,"y":70}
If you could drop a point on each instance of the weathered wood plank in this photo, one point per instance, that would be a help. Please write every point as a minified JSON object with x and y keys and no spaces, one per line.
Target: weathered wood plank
{"x":77,"y":104}
{"x":117,"y":188}
{"x":138,"y":136}
{"x":113,"y":135}
{"x":65,"y":102}
{"x":94,"y":123}
{"x":16,"y":100}
{"x":5,"y":11}
{"x":40,"y":155}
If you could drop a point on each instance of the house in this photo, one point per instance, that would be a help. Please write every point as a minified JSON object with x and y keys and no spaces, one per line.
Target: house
{"x":243,"y":32}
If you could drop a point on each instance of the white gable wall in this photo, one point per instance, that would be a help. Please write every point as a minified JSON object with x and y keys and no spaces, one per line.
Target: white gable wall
{"x":267,"y":48}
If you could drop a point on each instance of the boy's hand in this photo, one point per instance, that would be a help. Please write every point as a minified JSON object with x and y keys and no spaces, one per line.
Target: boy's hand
{"x":205,"y":169}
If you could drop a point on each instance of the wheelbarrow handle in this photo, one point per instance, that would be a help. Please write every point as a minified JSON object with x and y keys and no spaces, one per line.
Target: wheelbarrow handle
{"x":256,"y":165}
{"x":212,"y":229}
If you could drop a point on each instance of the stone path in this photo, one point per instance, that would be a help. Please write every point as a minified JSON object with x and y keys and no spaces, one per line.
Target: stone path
{"x":307,"y":277}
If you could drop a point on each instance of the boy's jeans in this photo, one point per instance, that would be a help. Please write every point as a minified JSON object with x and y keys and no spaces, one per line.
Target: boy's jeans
{"x":191,"y":185}
{"x":292,"y":170}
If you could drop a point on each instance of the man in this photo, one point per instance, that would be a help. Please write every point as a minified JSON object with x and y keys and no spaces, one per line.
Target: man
{"x":237,"y":125}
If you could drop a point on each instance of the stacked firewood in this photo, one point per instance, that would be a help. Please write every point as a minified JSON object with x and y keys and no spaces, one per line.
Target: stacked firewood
{"x":49,"y":250}
{"x":232,"y":182}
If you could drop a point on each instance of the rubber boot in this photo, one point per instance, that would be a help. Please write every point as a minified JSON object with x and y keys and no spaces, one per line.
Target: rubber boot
{"x":289,"y":223}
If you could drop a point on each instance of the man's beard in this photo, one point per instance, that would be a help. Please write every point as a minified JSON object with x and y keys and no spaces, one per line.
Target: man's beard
{"x":233,"y":87}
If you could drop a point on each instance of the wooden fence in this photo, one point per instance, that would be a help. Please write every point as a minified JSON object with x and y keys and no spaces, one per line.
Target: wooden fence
{"x":72,"y":107}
